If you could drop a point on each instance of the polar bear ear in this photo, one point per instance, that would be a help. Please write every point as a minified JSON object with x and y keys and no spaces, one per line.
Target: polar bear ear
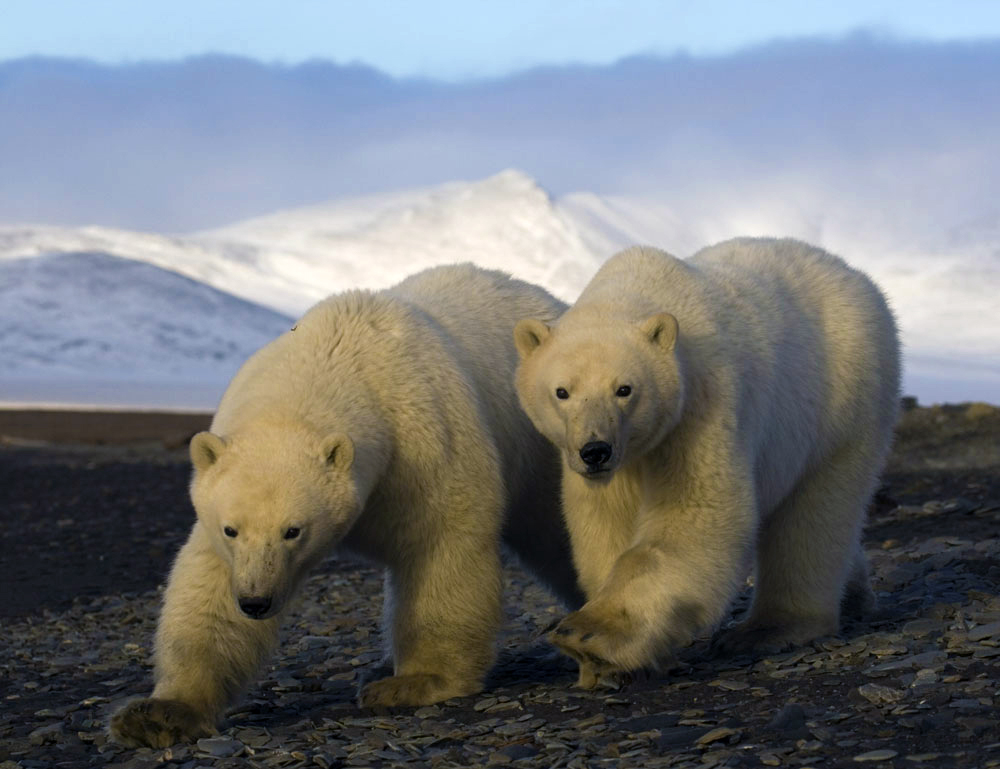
{"x":337,"y":451}
{"x":661,"y":329}
{"x":206,"y":448}
{"x":529,"y":334}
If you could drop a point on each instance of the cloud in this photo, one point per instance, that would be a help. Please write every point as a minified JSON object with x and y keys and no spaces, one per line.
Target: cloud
{"x":912,"y":129}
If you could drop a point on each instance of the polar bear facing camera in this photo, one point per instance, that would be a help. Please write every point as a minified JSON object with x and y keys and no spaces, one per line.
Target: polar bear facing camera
{"x":732,"y":409}
{"x":386,"y":422}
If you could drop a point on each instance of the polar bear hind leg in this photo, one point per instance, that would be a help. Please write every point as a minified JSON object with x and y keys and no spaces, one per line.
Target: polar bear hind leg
{"x":810,"y":564}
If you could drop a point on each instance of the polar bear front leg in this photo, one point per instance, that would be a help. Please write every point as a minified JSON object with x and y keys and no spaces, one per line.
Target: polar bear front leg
{"x":206,"y":652}
{"x":443,"y":612}
{"x":677,"y":580}
{"x":642,"y":614}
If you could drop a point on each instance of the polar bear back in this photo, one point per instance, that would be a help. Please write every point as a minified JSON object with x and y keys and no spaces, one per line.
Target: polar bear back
{"x":433,"y":317}
{"x":803,"y":312}
{"x":475,"y":311}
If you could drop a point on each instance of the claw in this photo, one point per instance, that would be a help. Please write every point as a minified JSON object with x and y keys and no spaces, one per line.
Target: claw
{"x":547,"y":629}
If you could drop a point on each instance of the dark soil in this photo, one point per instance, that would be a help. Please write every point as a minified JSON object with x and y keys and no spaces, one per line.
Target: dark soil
{"x":83,"y":524}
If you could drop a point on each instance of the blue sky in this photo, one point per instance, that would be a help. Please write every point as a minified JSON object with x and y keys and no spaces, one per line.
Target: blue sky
{"x":458,"y":39}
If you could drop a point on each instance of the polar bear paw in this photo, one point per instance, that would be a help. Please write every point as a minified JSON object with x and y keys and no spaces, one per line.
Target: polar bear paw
{"x":156,"y":723}
{"x":596,"y":641}
{"x":411,"y":689}
{"x":763,"y":639}
{"x":756,"y":642}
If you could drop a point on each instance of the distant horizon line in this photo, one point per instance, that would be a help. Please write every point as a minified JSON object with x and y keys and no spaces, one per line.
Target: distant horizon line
{"x":870,"y":37}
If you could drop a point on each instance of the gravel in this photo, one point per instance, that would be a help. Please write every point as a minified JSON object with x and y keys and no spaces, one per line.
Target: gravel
{"x":915,"y":685}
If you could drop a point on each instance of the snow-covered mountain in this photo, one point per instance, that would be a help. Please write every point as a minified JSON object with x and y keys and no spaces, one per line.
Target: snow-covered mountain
{"x":92,"y":327}
{"x":97,"y":315}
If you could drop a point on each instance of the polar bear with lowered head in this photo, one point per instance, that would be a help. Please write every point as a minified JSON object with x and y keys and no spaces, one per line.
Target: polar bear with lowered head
{"x":733,"y":408}
{"x":386,"y":422}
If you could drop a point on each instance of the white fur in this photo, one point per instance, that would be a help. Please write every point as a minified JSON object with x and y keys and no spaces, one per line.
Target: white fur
{"x":756,"y":427}
{"x":387,"y":422}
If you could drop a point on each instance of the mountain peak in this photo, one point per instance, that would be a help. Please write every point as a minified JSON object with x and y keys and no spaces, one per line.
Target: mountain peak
{"x":515,"y":180}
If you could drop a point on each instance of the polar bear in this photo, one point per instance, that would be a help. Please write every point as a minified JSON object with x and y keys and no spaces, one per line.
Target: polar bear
{"x":387,"y":422}
{"x":732,"y":408}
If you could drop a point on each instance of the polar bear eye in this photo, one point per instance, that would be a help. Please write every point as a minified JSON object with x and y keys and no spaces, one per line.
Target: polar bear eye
{"x":561,"y":393}
{"x":229,"y":531}
{"x":292,"y":532}
{"x":624,"y":391}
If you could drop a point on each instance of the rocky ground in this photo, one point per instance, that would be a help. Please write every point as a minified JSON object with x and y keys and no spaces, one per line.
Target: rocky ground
{"x":88,"y":533}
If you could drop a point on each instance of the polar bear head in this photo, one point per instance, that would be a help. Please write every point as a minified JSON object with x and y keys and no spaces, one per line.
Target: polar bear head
{"x":603,"y":393}
{"x":274,"y":500}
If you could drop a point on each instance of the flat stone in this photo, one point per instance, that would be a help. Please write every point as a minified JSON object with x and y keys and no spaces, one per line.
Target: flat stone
{"x":887,"y":649}
{"x":966,"y":704}
{"x":517,"y":752}
{"x":985,"y":631}
{"x":921,"y":627}
{"x":596,"y":720}
{"x":719,"y":733}
{"x":924,"y":677}
{"x":926,"y":659}
{"x":880,"y":695}
{"x":679,"y":735}
{"x":45,"y":734}
{"x":220,"y":747}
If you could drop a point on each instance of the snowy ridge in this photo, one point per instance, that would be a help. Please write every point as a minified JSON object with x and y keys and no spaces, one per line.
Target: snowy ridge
{"x":173,"y":316}
{"x":505,"y":222}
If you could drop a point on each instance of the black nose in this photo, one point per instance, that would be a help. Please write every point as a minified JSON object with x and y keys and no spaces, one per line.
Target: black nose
{"x":595,"y":453}
{"x":256,"y":606}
